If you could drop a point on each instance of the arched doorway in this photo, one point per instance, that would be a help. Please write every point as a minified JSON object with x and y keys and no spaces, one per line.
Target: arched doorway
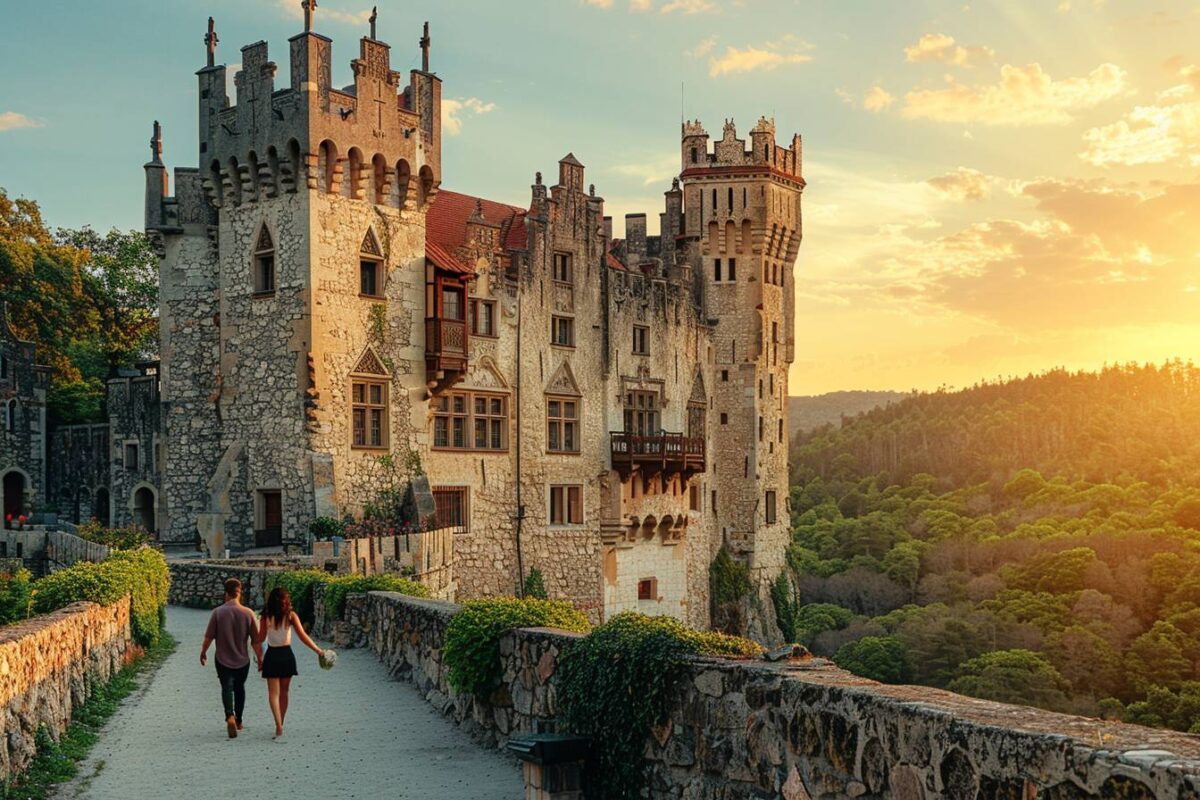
{"x":14,"y":494}
{"x":144,"y":510}
{"x":100,"y":507}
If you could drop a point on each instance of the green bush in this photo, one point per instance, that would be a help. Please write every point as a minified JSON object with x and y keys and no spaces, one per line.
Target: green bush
{"x":729,"y":579}
{"x":337,"y":588}
{"x":474,"y":633}
{"x":141,"y":574}
{"x":881,"y":658}
{"x":299,"y":584}
{"x":128,"y":538}
{"x":325,"y":528}
{"x":787,"y":606}
{"x":535,"y":585}
{"x":16,"y":596}
{"x":616,"y":682}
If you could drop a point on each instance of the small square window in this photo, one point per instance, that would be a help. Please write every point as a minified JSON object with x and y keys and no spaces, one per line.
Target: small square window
{"x":566,"y":505}
{"x":647,"y":589}
{"x":562,"y":331}
{"x":724,"y":418}
{"x":724,"y":376}
{"x":369,"y":283}
{"x":131,"y":456}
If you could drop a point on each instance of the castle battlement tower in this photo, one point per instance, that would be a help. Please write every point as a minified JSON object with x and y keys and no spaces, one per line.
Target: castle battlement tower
{"x":290,"y":254}
{"x":742,"y":206}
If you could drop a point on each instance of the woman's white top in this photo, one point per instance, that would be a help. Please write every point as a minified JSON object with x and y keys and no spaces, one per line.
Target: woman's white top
{"x":278,"y":637}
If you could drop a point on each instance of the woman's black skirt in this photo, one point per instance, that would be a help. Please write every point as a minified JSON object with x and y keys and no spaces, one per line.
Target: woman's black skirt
{"x":279,"y":662}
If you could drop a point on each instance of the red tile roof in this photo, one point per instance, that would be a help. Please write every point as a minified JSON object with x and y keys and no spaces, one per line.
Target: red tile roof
{"x":446,"y":227}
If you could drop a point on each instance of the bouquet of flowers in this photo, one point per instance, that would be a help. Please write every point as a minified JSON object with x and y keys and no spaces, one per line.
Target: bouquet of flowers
{"x":327,"y":659}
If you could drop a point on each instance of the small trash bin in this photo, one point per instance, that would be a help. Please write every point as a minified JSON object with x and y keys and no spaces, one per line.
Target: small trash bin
{"x":553,"y":764}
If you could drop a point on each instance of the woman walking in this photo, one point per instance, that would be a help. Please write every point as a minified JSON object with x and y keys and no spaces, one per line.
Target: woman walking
{"x":279,"y":665}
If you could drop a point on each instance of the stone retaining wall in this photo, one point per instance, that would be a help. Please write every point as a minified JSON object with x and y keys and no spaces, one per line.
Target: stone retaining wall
{"x":51,"y":664}
{"x":66,"y":549}
{"x":804,"y":728}
{"x":202,"y":584}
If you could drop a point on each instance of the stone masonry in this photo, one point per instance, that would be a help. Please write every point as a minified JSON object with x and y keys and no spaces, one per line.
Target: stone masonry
{"x":51,"y":664}
{"x":802,"y":728}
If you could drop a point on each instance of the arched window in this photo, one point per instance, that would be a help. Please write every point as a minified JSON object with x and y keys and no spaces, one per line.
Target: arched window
{"x":327,"y":168}
{"x":767,"y":152}
{"x":403,"y":180}
{"x":379,"y":179}
{"x":272,"y":182}
{"x":729,"y":197}
{"x":10,"y":415}
{"x":369,"y":403}
{"x":428,"y":187}
{"x":264,"y":264}
{"x":218,"y":185}
{"x":354,"y":188}
{"x":693,"y":155}
{"x":235,"y":181}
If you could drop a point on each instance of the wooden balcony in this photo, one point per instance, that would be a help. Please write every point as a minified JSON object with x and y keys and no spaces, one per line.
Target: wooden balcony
{"x":662,"y":452}
{"x":445,"y":351}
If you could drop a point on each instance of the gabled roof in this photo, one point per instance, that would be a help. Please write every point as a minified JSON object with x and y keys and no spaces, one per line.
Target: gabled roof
{"x":446,"y":227}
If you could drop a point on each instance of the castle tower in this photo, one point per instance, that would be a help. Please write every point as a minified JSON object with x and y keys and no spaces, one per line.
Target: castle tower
{"x":742,"y":208}
{"x":290,"y":252}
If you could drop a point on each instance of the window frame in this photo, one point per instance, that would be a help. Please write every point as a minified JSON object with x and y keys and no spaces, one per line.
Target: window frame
{"x":126,"y":448}
{"x":470,"y":417}
{"x":641,"y":335}
{"x":261,"y":256}
{"x":462,"y":492}
{"x":570,"y":499}
{"x":770,"y":508}
{"x":366,"y":406}
{"x":554,"y":329}
{"x":558,"y":424}
{"x":473,"y":306}
{"x":562,"y":268}
{"x":376,"y":266}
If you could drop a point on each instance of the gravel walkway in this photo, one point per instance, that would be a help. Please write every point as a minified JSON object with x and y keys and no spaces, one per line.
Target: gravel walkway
{"x":350,"y":733}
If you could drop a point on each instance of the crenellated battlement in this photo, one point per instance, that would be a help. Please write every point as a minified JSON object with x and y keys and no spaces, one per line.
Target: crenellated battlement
{"x":730,"y":151}
{"x":377,"y":140}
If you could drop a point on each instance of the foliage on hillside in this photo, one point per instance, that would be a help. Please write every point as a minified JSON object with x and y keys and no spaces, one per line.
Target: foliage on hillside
{"x":1034,"y":542}
{"x":808,"y":412}
{"x":1126,"y":421}
{"x":87,"y":300}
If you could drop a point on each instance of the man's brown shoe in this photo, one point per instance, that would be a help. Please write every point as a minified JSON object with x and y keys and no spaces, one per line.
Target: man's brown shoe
{"x":231,"y":726}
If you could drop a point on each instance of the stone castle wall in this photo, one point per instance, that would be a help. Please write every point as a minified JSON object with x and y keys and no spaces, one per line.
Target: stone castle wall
{"x":51,"y":664}
{"x":803,"y":729}
{"x":202,"y":585}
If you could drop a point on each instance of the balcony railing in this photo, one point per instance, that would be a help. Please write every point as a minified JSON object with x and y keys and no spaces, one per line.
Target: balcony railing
{"x":658,"y":452}
{"x":445,"y":346}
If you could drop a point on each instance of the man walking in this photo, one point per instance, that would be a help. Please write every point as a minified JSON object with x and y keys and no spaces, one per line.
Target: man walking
{"x":231,"y":626}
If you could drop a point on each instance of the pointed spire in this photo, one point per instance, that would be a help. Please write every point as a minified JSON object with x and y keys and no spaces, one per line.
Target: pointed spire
{"x":156,"y":144}
{"x":310,"y":7}
{"x":374,"y":17}
{"x":210,"y":42}
{"x":425,"y":42}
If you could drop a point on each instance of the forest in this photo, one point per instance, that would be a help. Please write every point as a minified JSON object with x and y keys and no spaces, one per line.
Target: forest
{"x":1032,"y":541}
{"x":88,"y":300}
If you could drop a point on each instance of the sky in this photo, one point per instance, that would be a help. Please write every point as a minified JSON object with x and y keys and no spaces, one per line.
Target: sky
{"x":993,"y":188}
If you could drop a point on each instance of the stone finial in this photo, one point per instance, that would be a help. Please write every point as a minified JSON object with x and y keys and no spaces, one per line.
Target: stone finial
{"x":425,"y":42}
{"x":310,"y":8}
{"x":537,"y":179}
{"x":675,"y":184}
{"x":210,"y":42}
{"x":374,"y":17}
{"x":592,"y":189}
{"x":156,"y":144}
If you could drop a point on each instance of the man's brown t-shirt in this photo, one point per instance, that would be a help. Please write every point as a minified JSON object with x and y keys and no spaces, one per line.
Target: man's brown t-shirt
{"x":231,"y":626}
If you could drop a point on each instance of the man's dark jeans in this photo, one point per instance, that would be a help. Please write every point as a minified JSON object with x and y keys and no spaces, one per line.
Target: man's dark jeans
{"x":233,"y":689}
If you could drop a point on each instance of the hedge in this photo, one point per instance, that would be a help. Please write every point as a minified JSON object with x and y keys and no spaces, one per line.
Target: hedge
{"x":473,"y":635}
{"x":16,"y":596}
{"x":300,"y":584}
{"x":141,"y":574}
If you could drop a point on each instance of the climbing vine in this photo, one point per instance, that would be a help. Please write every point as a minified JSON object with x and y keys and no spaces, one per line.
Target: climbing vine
{"x":473,"y":635}
{"x":616,"y":682}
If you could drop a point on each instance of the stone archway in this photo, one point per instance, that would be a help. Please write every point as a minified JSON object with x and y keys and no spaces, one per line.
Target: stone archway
{"x":144,"y":505}
{"x":14,"y":485}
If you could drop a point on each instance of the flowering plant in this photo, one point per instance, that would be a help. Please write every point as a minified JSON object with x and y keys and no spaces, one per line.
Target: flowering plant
{"x":327,"y":659}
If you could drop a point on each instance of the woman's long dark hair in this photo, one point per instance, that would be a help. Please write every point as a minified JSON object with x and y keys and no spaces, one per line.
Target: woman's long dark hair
{"x":279,"y":607}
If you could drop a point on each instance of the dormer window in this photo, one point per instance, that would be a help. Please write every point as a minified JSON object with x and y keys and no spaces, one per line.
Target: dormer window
{"x":264,"y":264}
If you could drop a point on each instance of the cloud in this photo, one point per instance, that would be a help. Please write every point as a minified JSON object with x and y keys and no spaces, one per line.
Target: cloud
{"x":598,"y":3}
{"x":940,"y":47}
{"x":12,"y":121}
{"x":769,"y":56}
{"x":702,"y":48}
{"x":688,"y":7}
{"x":652,"y":171}
{"x":640,"y":5}
{"x":877,"y":99}
{"x":291,"y":8}
{"x":454,"y":110}
{"x":962,"y":184}
{"x":1023,"y":96}
{"x":1166,"y":132}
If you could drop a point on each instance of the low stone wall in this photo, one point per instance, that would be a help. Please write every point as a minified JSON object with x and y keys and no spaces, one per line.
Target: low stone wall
{"x":428,"y":556}
{"x":199,"y":584}
{"x":65,"y":549}
{"x":51,"y":664}
{"x":804,"y":728}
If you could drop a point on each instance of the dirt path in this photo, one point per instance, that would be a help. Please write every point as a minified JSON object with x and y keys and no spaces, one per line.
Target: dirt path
{"x":350,"y":733}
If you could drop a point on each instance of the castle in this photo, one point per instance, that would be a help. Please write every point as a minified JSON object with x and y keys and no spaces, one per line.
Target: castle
{"x":610,"y":412}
